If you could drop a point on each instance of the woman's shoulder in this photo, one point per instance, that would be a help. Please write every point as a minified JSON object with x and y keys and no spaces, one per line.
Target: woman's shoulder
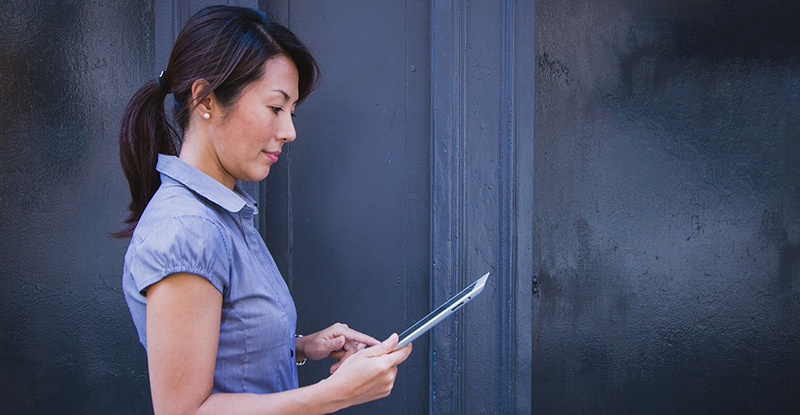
{"x":175,"y":207}
{"x":178,"y":232}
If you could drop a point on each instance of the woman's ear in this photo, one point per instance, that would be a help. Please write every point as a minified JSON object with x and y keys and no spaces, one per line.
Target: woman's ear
{"x":209,"y":104}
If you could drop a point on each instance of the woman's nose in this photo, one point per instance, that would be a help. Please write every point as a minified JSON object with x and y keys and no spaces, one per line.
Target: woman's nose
{"x":286,"y":132}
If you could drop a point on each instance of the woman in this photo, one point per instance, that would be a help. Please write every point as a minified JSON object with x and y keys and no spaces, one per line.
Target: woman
{"x":208,"y":302}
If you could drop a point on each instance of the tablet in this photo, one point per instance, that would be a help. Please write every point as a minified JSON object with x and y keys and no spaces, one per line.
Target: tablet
{"x":444,"y":310}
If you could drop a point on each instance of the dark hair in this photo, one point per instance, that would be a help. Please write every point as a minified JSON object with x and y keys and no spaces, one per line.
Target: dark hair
{"x":226,"y":46}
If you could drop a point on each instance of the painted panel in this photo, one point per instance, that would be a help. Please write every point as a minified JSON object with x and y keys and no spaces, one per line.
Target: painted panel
{"x":482,"y":140}
{"x":348,"y":205}
{"x":67,"y":343}
{"x":667,"y":207}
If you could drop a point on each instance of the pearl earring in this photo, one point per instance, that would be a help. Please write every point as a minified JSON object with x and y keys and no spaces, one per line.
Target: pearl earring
{"x":206,"y":115}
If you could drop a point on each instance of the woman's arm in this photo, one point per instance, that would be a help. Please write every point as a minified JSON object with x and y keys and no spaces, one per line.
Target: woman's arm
{"x":183,"y":318}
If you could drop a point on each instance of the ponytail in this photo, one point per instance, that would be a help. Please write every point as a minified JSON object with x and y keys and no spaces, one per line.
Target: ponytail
{"x":143,"y":134}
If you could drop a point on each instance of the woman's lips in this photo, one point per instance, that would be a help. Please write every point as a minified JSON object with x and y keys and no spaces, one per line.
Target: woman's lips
{"x":273,"y":155}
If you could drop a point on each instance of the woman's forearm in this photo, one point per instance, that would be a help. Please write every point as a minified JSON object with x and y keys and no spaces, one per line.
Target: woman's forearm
{"x":319,"y":398}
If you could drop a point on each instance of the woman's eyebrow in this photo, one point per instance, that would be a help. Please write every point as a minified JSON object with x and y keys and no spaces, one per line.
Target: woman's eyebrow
{"x":285,"y":95}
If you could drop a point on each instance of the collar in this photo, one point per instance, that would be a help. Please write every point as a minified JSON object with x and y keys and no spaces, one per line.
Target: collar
{"x":175,"y":169}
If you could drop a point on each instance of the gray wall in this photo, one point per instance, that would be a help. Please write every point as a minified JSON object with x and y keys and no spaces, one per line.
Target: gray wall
{"x":410,"y":178}
{"x":347,"y":211}
{"x":667,"y":207}
{"x":67,"y":68}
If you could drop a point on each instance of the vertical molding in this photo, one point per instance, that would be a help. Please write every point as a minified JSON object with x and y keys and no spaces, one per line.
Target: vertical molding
{"x":289,"y":277}
{"x":447,"y":200}
{"x":277,"y":188}
{"x":180,"y":14}
{"x":289,"y":199}
{"x":506,"y":234}
{"x":522,"y":92}
{"x":482,"y":204}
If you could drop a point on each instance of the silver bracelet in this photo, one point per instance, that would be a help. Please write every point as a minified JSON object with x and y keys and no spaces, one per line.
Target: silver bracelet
{"x":296,"y":336}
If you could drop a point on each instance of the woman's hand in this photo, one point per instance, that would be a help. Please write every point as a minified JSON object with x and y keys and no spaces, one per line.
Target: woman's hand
{"x":337,"y":341}
{"x":370,"y":373}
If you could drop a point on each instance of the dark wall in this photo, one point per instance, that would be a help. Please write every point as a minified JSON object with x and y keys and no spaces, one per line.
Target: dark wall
{"x":67,"y":68}
{"x":667,"y":207}
{"x":404,"y":186}
{"x":348,"y":205}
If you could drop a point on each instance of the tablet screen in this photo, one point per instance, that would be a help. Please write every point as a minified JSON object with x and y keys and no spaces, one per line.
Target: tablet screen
{"x":436,"y":312}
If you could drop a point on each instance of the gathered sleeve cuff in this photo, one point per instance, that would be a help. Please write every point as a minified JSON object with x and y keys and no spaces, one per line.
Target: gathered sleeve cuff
{"x":192,"y":244}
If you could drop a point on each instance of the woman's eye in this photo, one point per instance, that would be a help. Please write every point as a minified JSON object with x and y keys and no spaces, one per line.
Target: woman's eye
{"x":276,"y":110}
{"x":293,"y":115}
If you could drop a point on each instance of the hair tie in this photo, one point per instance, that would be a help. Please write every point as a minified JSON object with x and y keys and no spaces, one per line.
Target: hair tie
{"x":162,"y":82}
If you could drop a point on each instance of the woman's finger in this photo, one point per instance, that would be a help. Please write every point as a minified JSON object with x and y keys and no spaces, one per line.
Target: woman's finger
{"x":336,"y":343}
{"x":335,"y":366}
{"x":339,"y":329}
{"x":358,"y":337}
{"x":399,"y":356}
{"x":382,"y":348}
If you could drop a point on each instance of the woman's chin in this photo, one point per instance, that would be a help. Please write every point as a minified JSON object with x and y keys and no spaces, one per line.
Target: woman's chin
{"x":262,"y":174}
{"x":255,"y":175}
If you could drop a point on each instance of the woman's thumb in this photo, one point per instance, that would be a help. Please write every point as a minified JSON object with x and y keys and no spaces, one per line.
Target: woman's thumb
{"x":336,"y":343}
{"x":385,"y":347}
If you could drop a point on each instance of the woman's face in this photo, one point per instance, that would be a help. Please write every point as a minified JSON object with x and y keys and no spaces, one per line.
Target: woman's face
{"x":249,"y":137}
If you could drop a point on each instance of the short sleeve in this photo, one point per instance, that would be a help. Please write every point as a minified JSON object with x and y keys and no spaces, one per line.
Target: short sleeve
{"x":192,"y":244}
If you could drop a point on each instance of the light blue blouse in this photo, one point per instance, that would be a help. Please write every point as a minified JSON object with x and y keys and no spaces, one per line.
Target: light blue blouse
{"x":195,"y":224}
